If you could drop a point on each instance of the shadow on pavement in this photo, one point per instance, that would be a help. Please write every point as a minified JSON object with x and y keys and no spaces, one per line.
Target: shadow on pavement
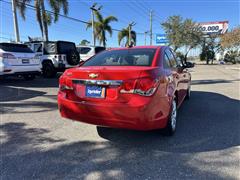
{"x":208,"y":122}
{"x":17,"y":94}
{"x":212,"y":81}
{"x":39,"y":82}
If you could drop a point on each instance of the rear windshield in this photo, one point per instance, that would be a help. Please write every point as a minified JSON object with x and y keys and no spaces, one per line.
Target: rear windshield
{"x":83,"y":50}
{"x":10,"y":47}
{"x":126,"y":57}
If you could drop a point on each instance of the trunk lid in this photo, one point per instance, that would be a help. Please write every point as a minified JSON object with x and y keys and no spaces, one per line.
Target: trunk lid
{"x":109,"y":79}
{"x":21,"y":59}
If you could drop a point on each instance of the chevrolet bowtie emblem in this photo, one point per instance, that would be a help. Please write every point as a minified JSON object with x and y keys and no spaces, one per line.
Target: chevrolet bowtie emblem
{"x":92,"y":75}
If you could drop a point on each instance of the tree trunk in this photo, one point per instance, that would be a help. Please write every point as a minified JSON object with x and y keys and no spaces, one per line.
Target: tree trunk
{"x":185,"y":56}
{"x":44,"y":21}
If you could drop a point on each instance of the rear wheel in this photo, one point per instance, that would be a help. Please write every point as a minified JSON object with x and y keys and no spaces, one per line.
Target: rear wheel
{"x":29,"y":77}
{"x":104,"y":132}
{"x":49,"y":70}
{"x":172,"y":120}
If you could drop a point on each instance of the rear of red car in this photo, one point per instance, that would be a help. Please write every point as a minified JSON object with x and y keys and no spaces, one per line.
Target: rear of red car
{"x":117,"y":88}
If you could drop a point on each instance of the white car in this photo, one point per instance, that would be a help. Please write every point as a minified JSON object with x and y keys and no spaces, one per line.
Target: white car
{"x":18,"y":60}
{"x":86,"y":52}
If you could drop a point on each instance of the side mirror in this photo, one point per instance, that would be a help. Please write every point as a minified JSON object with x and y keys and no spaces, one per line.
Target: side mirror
{"x":189,"y":65}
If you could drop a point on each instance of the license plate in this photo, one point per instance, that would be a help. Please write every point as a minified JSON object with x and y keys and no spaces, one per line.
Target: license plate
{"x":95,"y":91}
{"x":25,"y":61}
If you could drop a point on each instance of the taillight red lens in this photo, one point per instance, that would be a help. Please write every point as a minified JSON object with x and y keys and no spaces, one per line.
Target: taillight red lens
{"x":7,"y":56}
{"x":65,"y":84}
{"x":143,"y":86}
{"x":128,"y":85}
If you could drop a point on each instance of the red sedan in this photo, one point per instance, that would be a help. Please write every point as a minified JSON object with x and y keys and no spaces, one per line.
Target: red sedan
{"x":137,"y":88}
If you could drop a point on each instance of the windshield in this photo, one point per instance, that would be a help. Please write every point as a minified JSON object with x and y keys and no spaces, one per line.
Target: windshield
{"x":10,"y":47}
{"x":125,"y":57}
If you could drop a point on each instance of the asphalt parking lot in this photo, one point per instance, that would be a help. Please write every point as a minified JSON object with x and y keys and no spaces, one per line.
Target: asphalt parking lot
{"x":36,"y":143}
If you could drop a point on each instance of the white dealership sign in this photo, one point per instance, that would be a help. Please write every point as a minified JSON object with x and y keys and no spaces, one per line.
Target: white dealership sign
{"x":219,"y":27}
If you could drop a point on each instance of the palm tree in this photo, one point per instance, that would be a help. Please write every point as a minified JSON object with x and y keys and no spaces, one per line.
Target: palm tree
{"x":44,"y":17}
{"x":124,"y":33}
{"x":84,"y":42}
{"x":101,"y":26}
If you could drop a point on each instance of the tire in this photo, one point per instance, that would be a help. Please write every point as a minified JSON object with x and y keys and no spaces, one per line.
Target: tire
{"x":29,"y":77}
{"x":172,"y":120}
{"x":104,"y":132}
{"x":73,"y":58}
{"x":48,"y":70}
{"x":188,"y":95}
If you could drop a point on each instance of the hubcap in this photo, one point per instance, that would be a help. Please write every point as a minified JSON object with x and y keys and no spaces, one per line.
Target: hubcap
{"x":174,"y":115}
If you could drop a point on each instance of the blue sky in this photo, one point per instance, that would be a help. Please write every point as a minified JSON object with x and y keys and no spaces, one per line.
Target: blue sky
{"x":126,"y":11}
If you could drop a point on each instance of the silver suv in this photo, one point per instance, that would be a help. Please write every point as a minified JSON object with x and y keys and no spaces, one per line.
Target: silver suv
{"x":55,"y":56}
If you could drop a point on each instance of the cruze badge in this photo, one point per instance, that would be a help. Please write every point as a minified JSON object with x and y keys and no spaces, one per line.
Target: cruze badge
{"x":92,"y":75}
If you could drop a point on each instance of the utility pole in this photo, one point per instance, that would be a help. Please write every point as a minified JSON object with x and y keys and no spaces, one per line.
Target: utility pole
{"x":145,"y":37}
{"x":93,"y":8}
{"x":130,"y":33}
{"x":15,"y":21}
{"x":151,"y":36}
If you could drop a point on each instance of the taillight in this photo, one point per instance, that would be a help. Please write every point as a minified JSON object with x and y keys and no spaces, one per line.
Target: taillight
{"x":142,"y":86}
{"x":7,"y":56}
{"x":65,"y":84}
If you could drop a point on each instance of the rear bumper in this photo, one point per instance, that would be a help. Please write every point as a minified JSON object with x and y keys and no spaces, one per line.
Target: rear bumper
{"x":116,"y":115}
{"x":11,"y":70}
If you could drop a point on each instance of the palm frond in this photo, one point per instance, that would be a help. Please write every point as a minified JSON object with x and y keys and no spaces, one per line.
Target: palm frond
{"x":109,"y":19}
{"x":99,"y":17}
{"x":21,"y":6}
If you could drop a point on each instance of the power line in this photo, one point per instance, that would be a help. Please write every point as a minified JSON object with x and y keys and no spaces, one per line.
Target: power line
{"x":64,"y":16}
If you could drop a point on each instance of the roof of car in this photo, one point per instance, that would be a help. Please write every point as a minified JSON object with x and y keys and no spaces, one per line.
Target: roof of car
{"x":137,"y":47}
{"x":48,"y":41}
{"x":12,"y":43}
{"x":90,"y":46}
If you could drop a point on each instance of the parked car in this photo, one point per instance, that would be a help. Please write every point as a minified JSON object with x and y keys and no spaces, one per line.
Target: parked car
{"x":56,"y":56}
{"x":18,"y":60}
{"x":135,"y":88}
{"x":88,"y":51}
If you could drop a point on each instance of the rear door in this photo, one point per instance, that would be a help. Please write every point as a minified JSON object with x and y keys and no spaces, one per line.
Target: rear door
{"x":177,"y":75}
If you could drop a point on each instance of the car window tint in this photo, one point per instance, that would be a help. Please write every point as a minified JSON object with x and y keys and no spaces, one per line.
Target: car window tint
{"x":166,"y":62}
{"x":124,"y":57}
{"x":11,"y":47}
{"x":171,"y":58}
{"x":37,"y":47}
{"x":99,"y":49}
{"x":65,"y":47}
{"x":83,"y":50}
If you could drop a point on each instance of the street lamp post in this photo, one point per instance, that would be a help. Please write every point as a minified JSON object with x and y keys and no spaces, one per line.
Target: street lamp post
{"x":145,"y":37}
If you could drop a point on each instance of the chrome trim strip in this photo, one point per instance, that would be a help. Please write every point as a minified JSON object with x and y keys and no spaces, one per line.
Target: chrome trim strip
{"x":97,"y":82}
